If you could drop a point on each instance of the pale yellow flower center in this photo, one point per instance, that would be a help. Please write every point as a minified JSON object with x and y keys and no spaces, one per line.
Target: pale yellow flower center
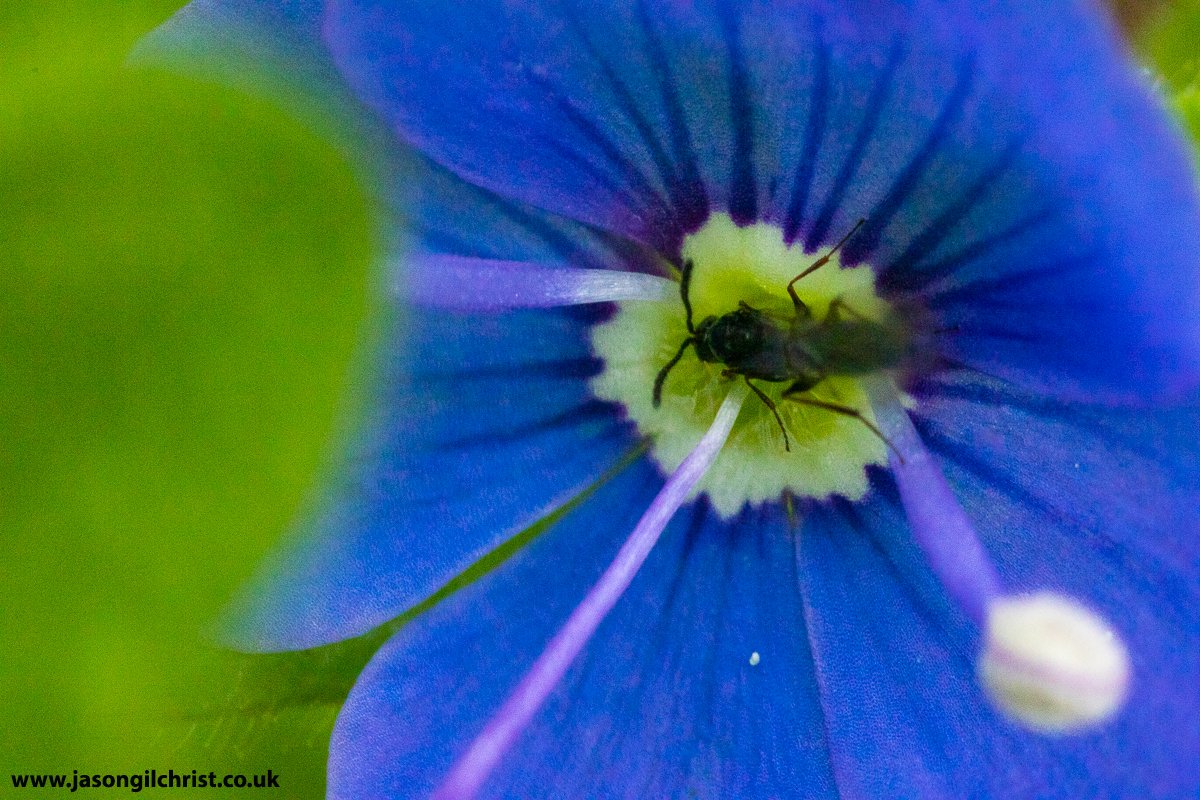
{"x":829,"y":451}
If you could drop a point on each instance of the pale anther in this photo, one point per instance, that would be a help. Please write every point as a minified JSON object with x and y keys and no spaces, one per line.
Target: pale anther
{"x":1052,"y":664}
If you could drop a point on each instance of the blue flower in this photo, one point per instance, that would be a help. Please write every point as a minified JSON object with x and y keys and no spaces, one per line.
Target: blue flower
{"x":890,"y":618}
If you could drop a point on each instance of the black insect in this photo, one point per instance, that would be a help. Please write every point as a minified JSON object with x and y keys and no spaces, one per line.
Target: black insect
{"x":760,"y":345}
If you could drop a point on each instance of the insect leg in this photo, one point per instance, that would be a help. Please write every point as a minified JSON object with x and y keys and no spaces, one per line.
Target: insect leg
{"x":806,"y":381}
{"x":838,"y":408}
{"x":685,"y":285}
{"x":802,"y":309}
{"x":771,"y":405}
{"x":839,"y":305}
{"x":662,"y":373}
{"x":789,"y":503}
{"x":820,"y":262}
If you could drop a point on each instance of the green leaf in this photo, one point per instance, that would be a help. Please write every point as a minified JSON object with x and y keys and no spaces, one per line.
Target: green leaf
{"x":186,"y":276}
{"x":246,"y":703}
{"x":1170,"y":45}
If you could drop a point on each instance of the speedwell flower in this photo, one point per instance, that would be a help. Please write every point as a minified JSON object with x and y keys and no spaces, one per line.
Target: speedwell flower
{"x":861,"y":316}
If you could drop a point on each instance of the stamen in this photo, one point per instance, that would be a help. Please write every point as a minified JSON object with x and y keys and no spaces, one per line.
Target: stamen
{"x":1048,"y":662}
{"x":480,"y":284}
{"x":939,"y":524}
{"x":468,"y":774}
{"x":1052,"y":664}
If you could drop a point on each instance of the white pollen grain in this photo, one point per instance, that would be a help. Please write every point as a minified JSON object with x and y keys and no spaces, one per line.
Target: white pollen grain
{"x":755,"y":658}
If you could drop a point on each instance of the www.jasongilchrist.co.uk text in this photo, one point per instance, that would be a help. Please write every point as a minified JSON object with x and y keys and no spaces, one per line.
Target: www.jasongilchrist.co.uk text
{"x":149,"y":779}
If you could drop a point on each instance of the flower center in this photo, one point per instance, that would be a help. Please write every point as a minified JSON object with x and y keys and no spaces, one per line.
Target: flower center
{"x":827,"y":450}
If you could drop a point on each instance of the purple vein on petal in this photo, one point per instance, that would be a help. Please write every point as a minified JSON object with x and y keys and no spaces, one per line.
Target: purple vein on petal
{"x":464,"y":283}
{"x":627,"y":102}
{"x":814,"y":132}
{"x":684,"y":149}
{"x":472,"y":769}
{"x":875,"y":103}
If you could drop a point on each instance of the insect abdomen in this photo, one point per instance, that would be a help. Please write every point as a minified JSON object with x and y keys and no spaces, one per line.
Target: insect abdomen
{"x":856,"y":348}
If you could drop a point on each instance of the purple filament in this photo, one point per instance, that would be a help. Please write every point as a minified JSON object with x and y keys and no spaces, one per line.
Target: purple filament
{"x":938,"y":522}
{"x":481,"y":284}
{"x":468,"y":774}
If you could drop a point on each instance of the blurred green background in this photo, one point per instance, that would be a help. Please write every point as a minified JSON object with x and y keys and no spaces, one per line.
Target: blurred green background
{"x":184,"y":283}
{"x":183,"y":275}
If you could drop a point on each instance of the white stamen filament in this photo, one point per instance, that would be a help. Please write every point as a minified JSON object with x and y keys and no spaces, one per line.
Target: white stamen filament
{"x":938,"y":523}
{"x":1048,"y":662}
{"x":480,"y":284}
{"x":468,"y":774}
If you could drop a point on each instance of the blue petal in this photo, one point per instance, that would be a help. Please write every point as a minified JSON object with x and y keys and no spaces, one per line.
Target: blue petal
{"x":1003,"y":154}
{"x":664,"y":702}
{"x":478,"y":425}
{"x":1114,"y":525}
{"x":483,"y":426}
{"x":274,"y":47}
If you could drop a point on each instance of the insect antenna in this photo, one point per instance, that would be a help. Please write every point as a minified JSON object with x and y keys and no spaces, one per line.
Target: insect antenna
{"x":662,"y":373}
{"x":685,"y":285}
{"x":822,"y":261}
